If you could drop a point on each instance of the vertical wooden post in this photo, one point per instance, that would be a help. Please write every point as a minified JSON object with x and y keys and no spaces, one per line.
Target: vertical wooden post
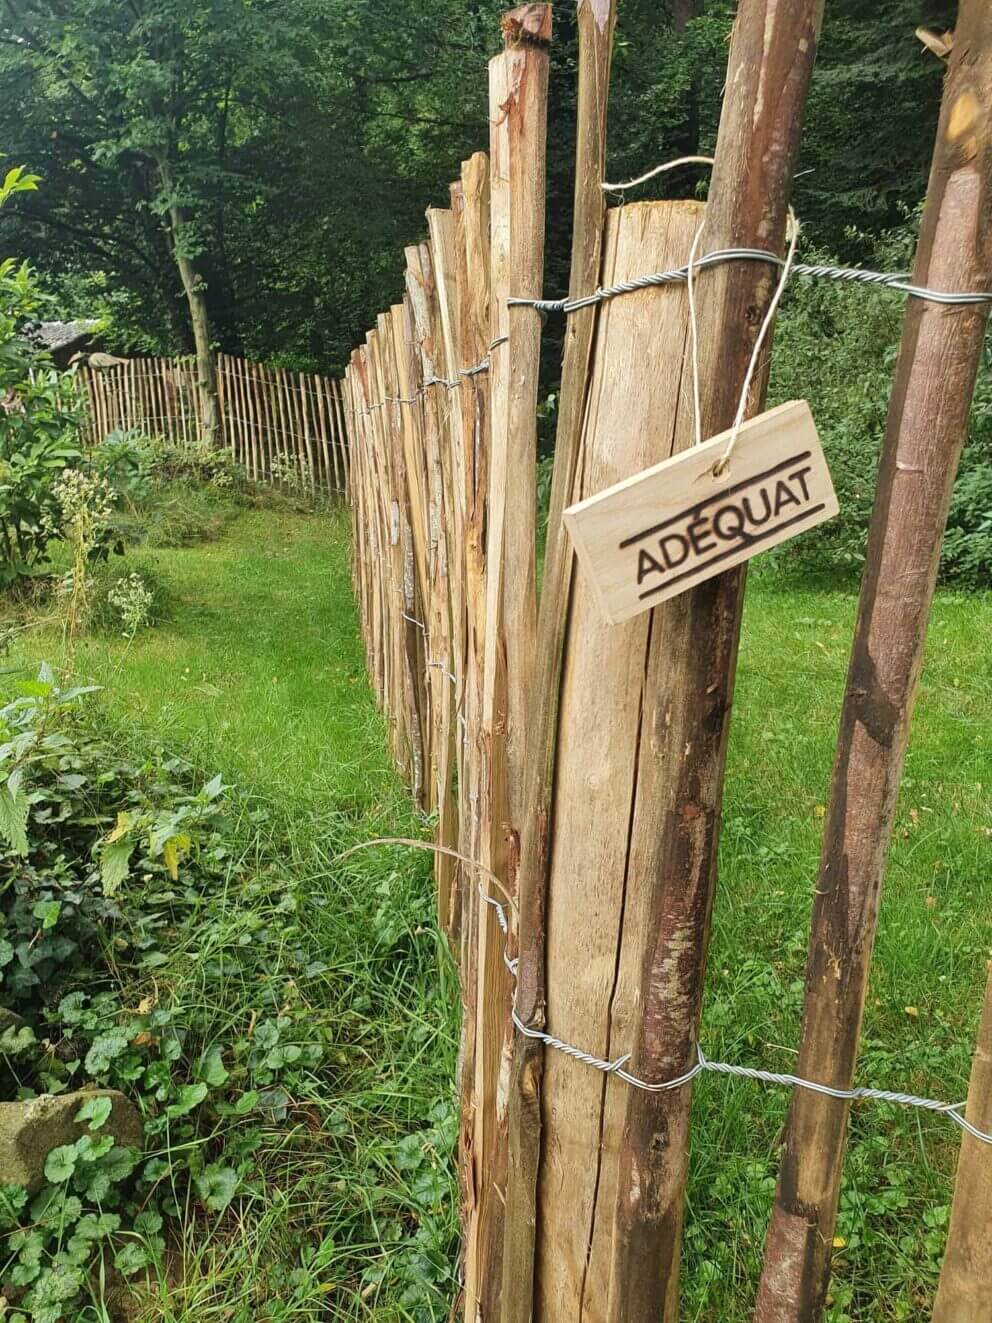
{"x":691,"y":665}
{"x":283,"y":432}
{"x":928,"y":418}
{"x":595,"y":920}
{"x":596,"y":22}
{"x":318,"y":399}
{"x":340,"y":436}
{"x":266,"y":440}
{"x":518,"y":91}
{"x":963,"y":1295}
{"x":254,"y":439}
{"x":423,"y":295}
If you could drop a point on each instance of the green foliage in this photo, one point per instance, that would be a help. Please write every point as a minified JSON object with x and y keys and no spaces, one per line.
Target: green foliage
{"x":38,"y":418}
{"x":305,"y":992}
{"x":102,"y":861}
{"x":836,"y":346}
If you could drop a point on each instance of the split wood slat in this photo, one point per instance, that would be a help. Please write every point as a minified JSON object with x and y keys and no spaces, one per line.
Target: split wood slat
{"x":660,"y":532}
{"x":401,"y":419}
{"x":596,"y":922}
{"x":335,"y":430}
{"x":470,"y":210}
{"x":518,"y":96}
{"x":963,"y":1291}
{"x":596,"y":21}
{"x":425,"y":309}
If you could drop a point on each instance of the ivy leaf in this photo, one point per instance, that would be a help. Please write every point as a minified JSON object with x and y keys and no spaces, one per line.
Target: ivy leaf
{"x":115,"y":864}
{"x":131,"y":1259}
{"x":6,"y":952}
{"x":97,"y":1179}
{"x":89,"y":1149}
{"x":95,"y":1110}
{"x":47,"y":913}
{"x":12,"y":1199}
{"x":216,"y":1186}
{"x":190,"y":1096}
{"x":60,"y":1164}
{"x":148,"y":1223}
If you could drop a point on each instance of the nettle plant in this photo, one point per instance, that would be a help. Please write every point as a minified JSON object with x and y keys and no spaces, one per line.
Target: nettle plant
{"x":107,"y":866}
{"x":39,"y":418}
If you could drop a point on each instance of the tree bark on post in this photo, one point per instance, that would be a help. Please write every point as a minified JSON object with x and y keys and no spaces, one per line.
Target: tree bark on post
{"x":596,"y":22}
{"x":964,"y":1294}
{"x":675,"y":838}
{"x":928,"y":420}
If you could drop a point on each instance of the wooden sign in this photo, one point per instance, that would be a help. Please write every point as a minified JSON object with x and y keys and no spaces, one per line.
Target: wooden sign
{"x":671,"y":526}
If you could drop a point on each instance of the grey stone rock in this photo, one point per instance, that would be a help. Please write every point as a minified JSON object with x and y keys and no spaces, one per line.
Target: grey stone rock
{"x":30,"y":1130}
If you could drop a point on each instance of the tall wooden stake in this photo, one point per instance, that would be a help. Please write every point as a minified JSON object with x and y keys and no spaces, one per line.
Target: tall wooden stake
{"x":964,"y":1294}
{"x":928,"y":419}
{"x":596,"y":20}
{"x":518,"y":101}
{"x":692,"y":661}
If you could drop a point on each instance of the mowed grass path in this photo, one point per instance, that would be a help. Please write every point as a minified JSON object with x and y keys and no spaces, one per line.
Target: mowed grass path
{"x":260,"y":675}
{"x":259,"y":671}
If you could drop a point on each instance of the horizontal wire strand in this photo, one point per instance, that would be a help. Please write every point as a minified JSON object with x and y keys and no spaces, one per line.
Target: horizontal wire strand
{"x":616,"y":1067}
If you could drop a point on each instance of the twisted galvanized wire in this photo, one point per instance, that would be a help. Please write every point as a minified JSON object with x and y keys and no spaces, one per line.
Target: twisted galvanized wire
{"x":953,"y":1111}
{"x":475,"y":370}
{"x":847,"y":274}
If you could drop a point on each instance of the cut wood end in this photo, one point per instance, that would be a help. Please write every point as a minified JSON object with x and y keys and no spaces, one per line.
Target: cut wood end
{"x":940,"y":43}
{"x":475,"y":174}
{"x":527,"y":24}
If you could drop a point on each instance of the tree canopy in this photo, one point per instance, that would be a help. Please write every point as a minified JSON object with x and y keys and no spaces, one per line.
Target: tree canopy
{"x":285,"y":150}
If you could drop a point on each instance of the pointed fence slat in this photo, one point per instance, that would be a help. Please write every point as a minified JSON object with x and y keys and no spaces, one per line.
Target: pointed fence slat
{"x":266,"y":415}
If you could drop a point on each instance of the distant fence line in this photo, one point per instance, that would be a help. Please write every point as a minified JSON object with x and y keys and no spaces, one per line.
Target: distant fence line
{"x":273,"y":421}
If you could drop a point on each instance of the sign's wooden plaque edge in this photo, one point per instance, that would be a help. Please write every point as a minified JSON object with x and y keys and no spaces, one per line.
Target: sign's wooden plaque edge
{"x":600,"y":554}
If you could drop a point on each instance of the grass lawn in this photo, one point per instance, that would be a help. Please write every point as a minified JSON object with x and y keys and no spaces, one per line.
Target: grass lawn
{"x":260,"y":676}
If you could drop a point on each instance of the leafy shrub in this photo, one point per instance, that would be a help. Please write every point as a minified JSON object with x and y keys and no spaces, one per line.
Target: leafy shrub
{"x":39,"y":415}
{"x":105,"y":862}
{"x":836,"y":346}
{"x":168,"y":495}
{"x":967,"y":557}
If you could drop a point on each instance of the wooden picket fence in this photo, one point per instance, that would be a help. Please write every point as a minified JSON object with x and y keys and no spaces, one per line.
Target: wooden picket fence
{"x":575,"y":767}
{"x":280,"y":425}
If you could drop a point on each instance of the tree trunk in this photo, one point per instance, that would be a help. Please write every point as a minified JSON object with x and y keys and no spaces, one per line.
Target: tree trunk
{"x":928,"y":422}
{"x":206,"y":378}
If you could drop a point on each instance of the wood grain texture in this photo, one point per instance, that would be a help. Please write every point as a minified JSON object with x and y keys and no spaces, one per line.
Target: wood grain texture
{"x":470,"y":207}
{"x":518,"y":95}
{"x":596,"y":22}
{"x":592,"y":931}
{"x":425,"y":308}
{"x":683,"y":753}
{"x":927,"y":424}
{"x":662,"y":531}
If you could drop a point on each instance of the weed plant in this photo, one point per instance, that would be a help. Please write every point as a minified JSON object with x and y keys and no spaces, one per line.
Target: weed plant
{"x":345,"y":1205}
